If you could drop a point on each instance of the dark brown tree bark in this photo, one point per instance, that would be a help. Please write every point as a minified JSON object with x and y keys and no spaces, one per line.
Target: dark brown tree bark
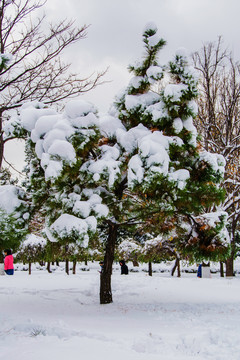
{"x":67,"y":266}
{"x":150,"y":268}
{"x":221,"y":269}
{"x":105,"y":277}
{"x":74,"y":267}
{"x":29,"y":268}
{"x":230,"y":266}
{"x":49,"y":267}
{"x":176,"y":266}
{"x":1,"y":256}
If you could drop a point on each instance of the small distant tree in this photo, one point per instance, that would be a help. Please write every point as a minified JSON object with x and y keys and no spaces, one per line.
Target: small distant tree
{"x":205,"y":237}
{"x":157,"y":249}
{"x":72,"y":252}
{"x":128,"y":250}
{"x":53,"y":250}
{"x":31,"y":250}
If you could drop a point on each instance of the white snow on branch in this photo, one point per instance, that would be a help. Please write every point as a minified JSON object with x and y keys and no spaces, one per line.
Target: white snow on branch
{"x":67,"y":226}
{"x":9,"y":198}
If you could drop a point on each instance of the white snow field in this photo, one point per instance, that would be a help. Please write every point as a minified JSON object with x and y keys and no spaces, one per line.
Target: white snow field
{"x":58,"y":316}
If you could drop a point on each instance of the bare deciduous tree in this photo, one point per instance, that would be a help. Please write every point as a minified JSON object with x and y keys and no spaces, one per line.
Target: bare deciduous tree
{"x":36,"y":71}
{"x":219,"y":122}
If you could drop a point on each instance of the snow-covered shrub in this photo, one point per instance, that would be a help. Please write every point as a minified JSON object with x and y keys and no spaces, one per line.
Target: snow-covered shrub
{"x":128,"y":250}
{"x":32,"y":249}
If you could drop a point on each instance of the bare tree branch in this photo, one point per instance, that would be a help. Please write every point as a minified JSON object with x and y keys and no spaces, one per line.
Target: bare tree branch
{"x":11,"y":166}
{"x":219,"y":117}
{"x":36,"y":71}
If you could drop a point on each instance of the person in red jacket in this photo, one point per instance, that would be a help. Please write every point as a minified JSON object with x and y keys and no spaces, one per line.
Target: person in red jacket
{"x":8,"y":262}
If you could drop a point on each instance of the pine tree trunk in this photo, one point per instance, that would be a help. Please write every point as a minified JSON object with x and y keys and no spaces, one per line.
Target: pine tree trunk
{"x":49,"y":267}
{"x":150,"y":268}
{"x":74,"y":267}
{"x":57,"y":262}
{"x":1,"y":256}
{"x":176,"y":266}
{"x":105,"y":277}
{"x":67,"y":266}
{"x":221,"y":269}
{"x":229,"y":267}
{"x":230,"y":260}
{"x":29,"y":268}
{"x":85,"y":262}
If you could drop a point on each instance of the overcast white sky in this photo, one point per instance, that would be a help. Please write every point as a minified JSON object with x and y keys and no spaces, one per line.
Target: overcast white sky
{"x":114,"y":36}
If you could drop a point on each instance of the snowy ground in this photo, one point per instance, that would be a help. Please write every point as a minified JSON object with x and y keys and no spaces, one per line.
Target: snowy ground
{"x":56,"y":316}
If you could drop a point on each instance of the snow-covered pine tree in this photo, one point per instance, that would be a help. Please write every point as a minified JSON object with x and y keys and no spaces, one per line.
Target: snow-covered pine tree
{"x":71,"y":168}
{"x":110,"y":172}
{"x":208,"y":238}
{"x":173,"y":179}
{"x":146,"y":168}
{"x":32,"y":249}
{"x":119,"y":144}
{"x":149,"y":155}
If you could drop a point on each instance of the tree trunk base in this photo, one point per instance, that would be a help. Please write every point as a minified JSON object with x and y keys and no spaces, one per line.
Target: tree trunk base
{"x":229,"y":267}
{"x":221,"y":269}
{"x":49,"y":267}
{"x":67,"y":266}
{"x":106,"y":274}
{"x":105,"y":290}
{"x":150,"y":268}
{"x":176,"y":266}
{"x":74,"y":268}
